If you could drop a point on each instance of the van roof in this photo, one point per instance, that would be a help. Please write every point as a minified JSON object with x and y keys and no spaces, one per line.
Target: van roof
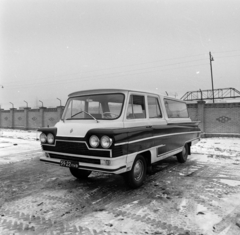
{"x":108,"y":90}
{"x":114,"y":90}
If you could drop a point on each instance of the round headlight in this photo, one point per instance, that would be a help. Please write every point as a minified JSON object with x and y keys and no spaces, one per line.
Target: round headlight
{"x":43,"y":138}
{"x":106,"y":142}
{"x":94,"y":141}
{"x":50,"y":138}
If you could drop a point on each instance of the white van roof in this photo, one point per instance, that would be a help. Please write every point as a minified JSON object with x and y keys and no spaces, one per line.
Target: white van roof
{"x":115,"y":90}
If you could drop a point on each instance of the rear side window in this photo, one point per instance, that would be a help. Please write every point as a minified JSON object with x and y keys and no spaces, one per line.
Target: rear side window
{"x":154,"y":108}
{"x":136,"y":107}
{"x":176,"y":109}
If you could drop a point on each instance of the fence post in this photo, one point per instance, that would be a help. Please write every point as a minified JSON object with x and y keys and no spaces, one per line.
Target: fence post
{"x":12,"y":117}
{"x":41,"y":109}
{"x":201,"y":114}
{"x":26,"y":118}
{"x":1,"y":117}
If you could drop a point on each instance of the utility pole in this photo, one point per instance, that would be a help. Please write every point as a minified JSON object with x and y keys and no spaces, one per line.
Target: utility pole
{"x":211,"y":59}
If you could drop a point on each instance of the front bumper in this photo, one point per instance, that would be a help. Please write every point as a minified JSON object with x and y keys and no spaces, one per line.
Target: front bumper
{"x":106,"y":165}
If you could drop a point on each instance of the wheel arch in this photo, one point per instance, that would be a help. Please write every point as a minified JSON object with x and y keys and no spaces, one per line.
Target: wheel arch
{"x":131,"y":158}
{"x":147,"y":156}
{"x":189,"y":148}
{"x":189,"y":144}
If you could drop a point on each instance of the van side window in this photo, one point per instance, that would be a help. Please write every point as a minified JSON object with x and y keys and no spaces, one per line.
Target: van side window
{"x":176,"y":109}
{"x":136,"y":107}
{"x":154,"y":108}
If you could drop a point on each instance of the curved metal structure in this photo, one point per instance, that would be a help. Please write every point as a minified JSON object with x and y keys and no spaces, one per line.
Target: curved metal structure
{"x":225,"y":93}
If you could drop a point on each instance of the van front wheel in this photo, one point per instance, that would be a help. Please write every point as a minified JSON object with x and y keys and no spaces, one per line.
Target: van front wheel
{"x":137,"y":175}
{"x":80,"y":174}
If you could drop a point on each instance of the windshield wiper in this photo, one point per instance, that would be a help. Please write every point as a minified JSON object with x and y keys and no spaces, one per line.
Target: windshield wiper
{"x":86,"y":113}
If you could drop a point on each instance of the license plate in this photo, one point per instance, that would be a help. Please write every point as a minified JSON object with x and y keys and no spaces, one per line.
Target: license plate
{"x":71,"y":164}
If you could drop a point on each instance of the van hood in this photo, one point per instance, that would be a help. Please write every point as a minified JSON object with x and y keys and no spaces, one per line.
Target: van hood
{"x":79,"y":129}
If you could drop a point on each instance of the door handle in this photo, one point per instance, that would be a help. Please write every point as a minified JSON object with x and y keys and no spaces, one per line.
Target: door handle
{"x":148,"y":126}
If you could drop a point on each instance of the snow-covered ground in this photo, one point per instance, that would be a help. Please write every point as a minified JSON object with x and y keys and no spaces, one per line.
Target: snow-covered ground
{"x":223,"y":148}
{"x":20,"y":134}
{"x":18,"y":145}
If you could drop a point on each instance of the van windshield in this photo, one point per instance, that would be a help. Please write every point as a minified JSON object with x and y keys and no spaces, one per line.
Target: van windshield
{"x":102,"y":106}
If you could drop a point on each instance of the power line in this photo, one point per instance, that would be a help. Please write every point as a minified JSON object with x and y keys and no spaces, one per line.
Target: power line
{"x":119,"y":74}
{"x":83,"y":72}
{"x":216,"y":52}
{"x":132,"y":65}
{"x":228,"y":56}
{"x":162,"y":66}
{"x":96,"y":77}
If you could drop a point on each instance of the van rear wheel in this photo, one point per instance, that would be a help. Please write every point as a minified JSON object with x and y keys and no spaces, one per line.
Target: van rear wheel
{"x":182,"y":156}
{"x":80,"y":174}
{"x":137,"y":175}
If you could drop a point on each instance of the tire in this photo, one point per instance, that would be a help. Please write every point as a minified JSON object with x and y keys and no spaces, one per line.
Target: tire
{"x":182,"y":156}
{"x":137,"y":175}
{"x":80,"y":174}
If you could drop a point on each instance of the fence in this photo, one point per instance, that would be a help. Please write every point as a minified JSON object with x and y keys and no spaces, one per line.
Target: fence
{"x":218,"y":119}
{"x":29,"y":119}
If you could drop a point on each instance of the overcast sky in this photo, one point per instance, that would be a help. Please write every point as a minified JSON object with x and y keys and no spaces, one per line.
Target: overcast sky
{"x":50,"y":48}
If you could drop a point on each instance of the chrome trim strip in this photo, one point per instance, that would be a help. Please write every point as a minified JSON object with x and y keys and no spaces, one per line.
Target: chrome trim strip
{"x":159,"y":146}
{"x":134,"y":141}
{"x":85,"y":156}
{"x":72,"y":136}
{"x":169,"y":153}
{"x":121,"y":143}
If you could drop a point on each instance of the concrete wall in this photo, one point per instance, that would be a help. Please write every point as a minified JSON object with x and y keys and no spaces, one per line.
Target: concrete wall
{"x":51,"y":117}
{"x":30,"y":118}
{"x":34,"y":119}
{"x":4,"y":118}
{"x":219,"y":119}
{"x":19,"y":119}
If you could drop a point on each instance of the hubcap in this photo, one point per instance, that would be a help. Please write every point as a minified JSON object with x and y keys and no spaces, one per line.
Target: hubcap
{"x":138,"y":170}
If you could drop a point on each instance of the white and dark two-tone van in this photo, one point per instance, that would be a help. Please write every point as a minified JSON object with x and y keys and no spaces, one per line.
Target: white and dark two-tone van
{"x":119,"y":131}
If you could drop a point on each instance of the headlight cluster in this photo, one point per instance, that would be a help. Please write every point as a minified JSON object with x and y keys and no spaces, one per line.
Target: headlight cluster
{"x":105,"y":141}
{"x":47,"y":138}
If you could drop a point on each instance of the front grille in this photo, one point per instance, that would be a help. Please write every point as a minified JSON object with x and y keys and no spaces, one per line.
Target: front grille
{"x":75,"y":148}
{"x":78,"y":159}
{"x":118,"y":151}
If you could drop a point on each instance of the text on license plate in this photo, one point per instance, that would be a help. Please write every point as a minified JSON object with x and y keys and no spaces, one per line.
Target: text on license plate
{"x":66,"y":163}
